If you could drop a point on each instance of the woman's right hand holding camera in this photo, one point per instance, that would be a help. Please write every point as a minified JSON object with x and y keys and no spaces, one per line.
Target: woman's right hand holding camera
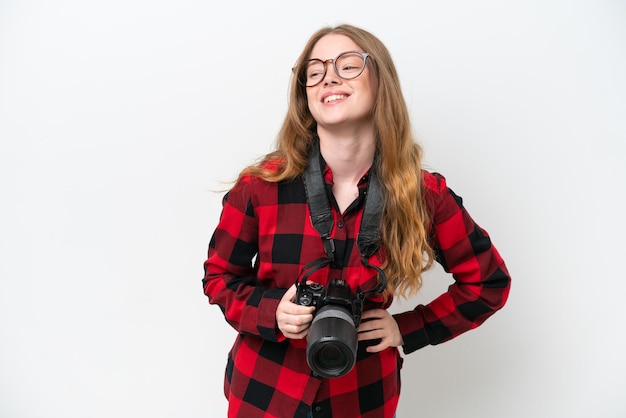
{"x":293,"y":320}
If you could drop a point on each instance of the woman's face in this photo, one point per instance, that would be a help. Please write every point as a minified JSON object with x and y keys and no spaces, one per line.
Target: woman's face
{"x":336,"y":102}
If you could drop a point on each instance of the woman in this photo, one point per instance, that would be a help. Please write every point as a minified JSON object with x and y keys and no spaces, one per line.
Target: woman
{"x":348,"y":119}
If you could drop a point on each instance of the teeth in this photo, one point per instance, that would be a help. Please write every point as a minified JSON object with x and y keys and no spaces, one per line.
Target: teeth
{"x":334,"y":97}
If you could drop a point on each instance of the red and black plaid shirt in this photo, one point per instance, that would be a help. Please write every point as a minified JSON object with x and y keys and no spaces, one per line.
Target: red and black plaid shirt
{"x":265,"y":237}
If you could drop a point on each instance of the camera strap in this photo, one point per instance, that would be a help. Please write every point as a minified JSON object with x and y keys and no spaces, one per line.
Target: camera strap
{"x":368,"y":238}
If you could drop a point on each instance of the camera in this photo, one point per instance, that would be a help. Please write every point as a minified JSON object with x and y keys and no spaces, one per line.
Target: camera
{"x":332,"y":338}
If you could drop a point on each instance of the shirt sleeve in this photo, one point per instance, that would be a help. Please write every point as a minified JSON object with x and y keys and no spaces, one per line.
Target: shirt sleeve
{"x":481,"y":279}
{"x":230,"y":277}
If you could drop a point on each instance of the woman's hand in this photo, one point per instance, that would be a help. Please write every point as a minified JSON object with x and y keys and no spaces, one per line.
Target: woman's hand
{"x":293,"y":320}
{"x":379,"y":324}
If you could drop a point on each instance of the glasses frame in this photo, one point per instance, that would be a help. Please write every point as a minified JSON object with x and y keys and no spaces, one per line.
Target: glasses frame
{"x":302,"y":79}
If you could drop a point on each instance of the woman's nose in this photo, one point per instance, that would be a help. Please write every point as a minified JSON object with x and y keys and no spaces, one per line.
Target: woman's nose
{"x":331,"y":75}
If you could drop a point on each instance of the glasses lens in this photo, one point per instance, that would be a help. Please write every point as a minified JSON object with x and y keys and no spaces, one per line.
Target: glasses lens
{"x":349,"y":65}
{"x":314,"y":72}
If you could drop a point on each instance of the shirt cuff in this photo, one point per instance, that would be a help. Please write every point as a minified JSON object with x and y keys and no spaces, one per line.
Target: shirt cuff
{"x":413,"y":334}
{"x":267,"y":326}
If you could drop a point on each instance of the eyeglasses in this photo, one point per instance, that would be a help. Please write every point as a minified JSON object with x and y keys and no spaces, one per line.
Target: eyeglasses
{"x":347,"y":65}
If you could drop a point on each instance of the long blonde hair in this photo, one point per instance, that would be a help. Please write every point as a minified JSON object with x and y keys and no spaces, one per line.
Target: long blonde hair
{"x":405,"y":216}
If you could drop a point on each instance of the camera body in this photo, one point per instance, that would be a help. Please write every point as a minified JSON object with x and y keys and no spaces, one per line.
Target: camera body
{"x":337,"y":292}
{"x":332,"y":338}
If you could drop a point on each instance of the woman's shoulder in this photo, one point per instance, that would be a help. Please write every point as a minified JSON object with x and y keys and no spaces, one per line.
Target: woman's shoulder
{"x":439,"y":197}
{"x":259,"y":172}
{"x":256,"y":180}
{"x":433,"y":181}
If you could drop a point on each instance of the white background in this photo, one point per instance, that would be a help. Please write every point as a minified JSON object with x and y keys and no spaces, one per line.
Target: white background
{"x":119,"y":119}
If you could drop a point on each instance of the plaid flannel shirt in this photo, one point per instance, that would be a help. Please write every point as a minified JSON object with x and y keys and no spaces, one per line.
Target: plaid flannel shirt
{"x":263,"y":239}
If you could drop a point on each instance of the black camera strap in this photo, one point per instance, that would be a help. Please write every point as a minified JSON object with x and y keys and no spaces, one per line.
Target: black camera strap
{"x":368,"y":238}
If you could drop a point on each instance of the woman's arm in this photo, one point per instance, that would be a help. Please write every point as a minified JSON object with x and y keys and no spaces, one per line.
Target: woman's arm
{"x":230,"y":279}
{"x":481,"y":279}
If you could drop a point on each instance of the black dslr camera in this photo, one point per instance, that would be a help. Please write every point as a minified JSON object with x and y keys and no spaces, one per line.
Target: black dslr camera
{"x":332,"y":339}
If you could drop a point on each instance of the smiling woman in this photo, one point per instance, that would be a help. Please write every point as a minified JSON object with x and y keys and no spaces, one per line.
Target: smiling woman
{"x":117,"y":118}
{"x":316,"y":240}
{"x":340,"y":101}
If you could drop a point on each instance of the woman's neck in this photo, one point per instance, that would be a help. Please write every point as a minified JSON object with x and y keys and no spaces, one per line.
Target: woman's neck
{"x":348,"y":157}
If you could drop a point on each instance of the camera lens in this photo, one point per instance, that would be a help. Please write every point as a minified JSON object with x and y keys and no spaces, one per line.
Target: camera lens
{"x":332,"y":342}
{"x":331,"y":357}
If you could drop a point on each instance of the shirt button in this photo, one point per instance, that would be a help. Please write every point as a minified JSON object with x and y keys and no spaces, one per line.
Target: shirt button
{"x":318,"y":408}
{"x":340,"y":224}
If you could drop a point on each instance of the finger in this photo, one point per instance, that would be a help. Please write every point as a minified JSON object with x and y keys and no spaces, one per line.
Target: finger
{"x":286,"y":316}
{"x":371,"y":334}
{"x":370,"y":325}
{"x":373,"y":314}
{"x":296,"y":331}
{"x":290,"y":293}
{"x":296,"y":335}
{"x":364,"y":336}
{"x":300,"y":311}
{"x":378,"y":347}
{"x":300,"y":320}
{"x":293,"y":329}
{"x":289,"y":308}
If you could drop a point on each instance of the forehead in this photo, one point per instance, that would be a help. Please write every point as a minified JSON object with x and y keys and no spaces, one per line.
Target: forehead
{"x":332,"y":45}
